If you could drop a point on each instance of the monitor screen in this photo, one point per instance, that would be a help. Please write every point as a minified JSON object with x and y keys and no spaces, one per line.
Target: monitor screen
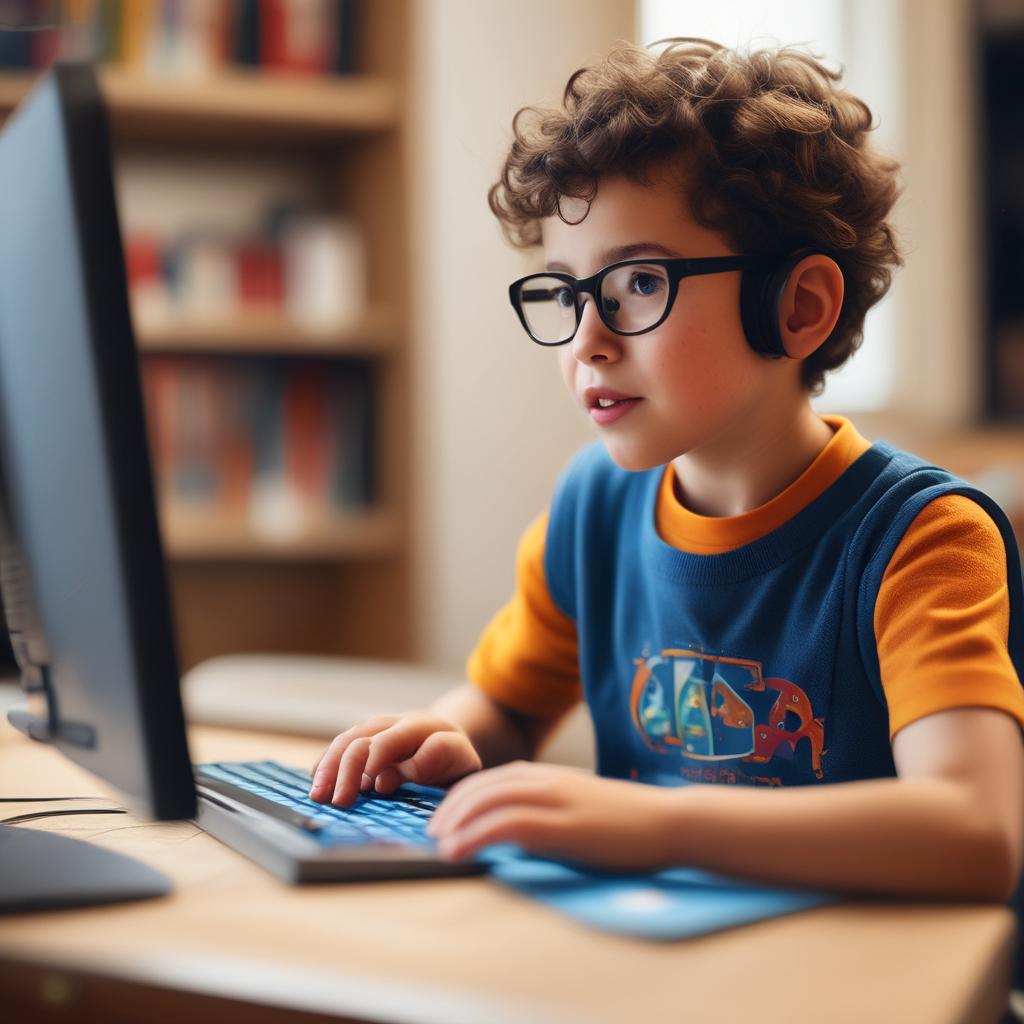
{"x":83,"y":578}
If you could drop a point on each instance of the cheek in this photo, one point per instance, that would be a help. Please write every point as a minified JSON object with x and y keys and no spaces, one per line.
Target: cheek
{"x":567,"y":364}
{"x":706,"y":359}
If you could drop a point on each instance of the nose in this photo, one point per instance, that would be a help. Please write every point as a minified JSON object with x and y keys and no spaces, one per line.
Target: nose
{"x":594,"y":342}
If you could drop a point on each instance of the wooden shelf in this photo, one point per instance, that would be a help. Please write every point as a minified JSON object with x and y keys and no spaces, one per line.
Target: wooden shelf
{"x":342,"y":584}
{"x":198,"y":534}
{"x":268,"y":334}
{"x":238,"y":105}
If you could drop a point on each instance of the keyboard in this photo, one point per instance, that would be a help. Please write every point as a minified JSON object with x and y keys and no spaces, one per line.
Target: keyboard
{"x":262,"y":809}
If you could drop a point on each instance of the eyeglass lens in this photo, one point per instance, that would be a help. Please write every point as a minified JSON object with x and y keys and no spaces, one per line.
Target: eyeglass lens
{"x":633,"y":298}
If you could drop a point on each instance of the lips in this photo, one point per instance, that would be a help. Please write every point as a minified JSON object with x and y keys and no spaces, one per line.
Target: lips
{"x":607,"y":405}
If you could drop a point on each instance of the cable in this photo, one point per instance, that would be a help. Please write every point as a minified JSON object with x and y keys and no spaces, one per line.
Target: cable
{"x":56,"y":814}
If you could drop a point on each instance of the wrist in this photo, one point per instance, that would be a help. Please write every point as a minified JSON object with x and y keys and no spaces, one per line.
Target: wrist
{"x":672,"y":819}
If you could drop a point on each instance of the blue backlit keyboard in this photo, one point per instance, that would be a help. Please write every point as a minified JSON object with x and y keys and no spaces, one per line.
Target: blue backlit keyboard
{"x":263,"y":810}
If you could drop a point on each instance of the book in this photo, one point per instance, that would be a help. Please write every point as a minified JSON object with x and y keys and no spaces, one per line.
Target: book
{"x":138,"y":27}
{"x":245,"y":47}
{"x":297,"y":35}
{"x":280,"y":445}
{"x":236,"y":461}
{"x":160,"y":381}
{"x":351,"y":430}
{"x":306,"y":426}
{"x":16,"y":49}
{"x":346,"y":45}
{"x":197,"y":430}
{"x":260,"y":275}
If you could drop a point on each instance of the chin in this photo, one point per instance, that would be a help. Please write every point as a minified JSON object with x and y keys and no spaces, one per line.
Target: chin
{"x":631,"y":458}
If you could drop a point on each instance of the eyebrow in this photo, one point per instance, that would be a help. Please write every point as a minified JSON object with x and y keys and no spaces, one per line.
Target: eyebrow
{"x":622,"y":252}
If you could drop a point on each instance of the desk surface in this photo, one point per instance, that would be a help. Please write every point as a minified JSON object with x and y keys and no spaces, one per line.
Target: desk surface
{"x":466,"y":950}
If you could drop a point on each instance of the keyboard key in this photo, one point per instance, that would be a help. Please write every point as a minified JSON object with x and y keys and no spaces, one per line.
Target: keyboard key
{"x":400,"y":818}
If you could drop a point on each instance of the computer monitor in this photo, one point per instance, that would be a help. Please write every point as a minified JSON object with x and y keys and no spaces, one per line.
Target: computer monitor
{"x":81,"y":567}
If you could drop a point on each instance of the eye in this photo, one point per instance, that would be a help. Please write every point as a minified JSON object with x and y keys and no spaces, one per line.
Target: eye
{"x":564,"y":297}
{"x":644,"y":284}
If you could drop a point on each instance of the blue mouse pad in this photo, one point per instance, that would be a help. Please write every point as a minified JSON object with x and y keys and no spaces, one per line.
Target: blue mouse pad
{"x":673,"y":904}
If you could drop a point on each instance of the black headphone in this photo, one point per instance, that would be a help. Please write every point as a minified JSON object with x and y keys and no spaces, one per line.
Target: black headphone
{"x":760,"y":294}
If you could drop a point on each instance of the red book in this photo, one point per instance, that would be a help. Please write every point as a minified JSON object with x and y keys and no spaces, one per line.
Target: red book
{"x":305,"y":433}
{"x":235,"y":450}
{"x":260,"y":275}
{"x":47,"y":46}
{"x":160,"y":376}
{"x":142,"y":259}
{"x":297,"y":35}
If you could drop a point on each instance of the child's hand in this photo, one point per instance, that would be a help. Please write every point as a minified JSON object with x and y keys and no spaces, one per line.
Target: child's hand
{"x":384,"y":752}
{"x":559,"y":812}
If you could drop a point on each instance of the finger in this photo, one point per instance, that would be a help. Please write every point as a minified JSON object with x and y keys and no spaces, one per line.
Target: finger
{"x":326,"y":769}
{"x":537,"y":830}
{"x":402,"y":740}
{"x":387,"y":781}
{"x":469,"y":788}
{"x":351,"y":769}
{"x":510,"y":792}
{"x":443,"y":757}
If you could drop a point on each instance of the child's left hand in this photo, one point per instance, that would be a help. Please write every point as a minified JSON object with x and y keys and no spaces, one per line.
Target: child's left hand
{"x":558,"y":812}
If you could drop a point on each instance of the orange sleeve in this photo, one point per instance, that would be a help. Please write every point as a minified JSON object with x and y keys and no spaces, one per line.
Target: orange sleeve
{"x":526,"y":657}
{"x":942,"y":617}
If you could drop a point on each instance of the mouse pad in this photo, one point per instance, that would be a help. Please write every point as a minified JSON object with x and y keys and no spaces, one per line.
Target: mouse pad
{"x":673,"y":904}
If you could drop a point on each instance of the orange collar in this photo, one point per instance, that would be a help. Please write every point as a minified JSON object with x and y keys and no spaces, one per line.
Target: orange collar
{"x":710,"y":535}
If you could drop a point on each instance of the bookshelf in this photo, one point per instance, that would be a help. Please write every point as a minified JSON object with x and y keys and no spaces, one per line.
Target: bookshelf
{"x":249,"y":106}
{"x":268,"y":333}
{"x":328,"y":584}
{"x":196,"y":535}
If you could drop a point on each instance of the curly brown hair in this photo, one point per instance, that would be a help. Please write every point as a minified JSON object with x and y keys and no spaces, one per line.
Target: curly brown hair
{"x":776,"y":158}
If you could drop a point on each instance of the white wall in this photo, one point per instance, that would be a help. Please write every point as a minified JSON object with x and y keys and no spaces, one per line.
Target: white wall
{"x":493,"y":423}
{"x":937,"y":375}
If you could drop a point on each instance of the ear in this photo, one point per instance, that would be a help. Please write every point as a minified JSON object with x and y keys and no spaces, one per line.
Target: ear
{"x":810,"y":305}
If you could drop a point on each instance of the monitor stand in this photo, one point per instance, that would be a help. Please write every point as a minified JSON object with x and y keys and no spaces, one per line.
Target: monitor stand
{"x":47,"y":871}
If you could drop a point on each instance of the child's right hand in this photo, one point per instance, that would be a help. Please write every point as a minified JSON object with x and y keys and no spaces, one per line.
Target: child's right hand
{"x":382,"y":753}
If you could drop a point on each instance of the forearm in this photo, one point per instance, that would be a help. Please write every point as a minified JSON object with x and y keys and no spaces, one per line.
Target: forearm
{"x":499,"y":734}
{"x":919,"y":837}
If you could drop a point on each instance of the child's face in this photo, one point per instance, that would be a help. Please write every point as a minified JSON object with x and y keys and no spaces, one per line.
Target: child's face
{"x":693,"y":382}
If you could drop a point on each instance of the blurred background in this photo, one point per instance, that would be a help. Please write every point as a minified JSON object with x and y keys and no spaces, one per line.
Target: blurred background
{"x":349,"y":428}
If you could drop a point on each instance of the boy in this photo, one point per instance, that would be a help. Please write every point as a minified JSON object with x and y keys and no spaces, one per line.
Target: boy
{"x":745,"y":593}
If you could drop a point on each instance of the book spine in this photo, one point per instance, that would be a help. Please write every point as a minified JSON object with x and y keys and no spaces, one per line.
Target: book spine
{"x":296,"y":35}
{"x":237,"y":455}
{"x":246,"y":42}
{"x":346,"y":27}
{"x":306,"y":426}
{"x":160,"y":376}
{"x":351,"y":423}
{"x":195,"y":411}
{"x":260,"y":281}
{"x":139,"y":23}
{"x":16,"y":50}
{"x":109,"y":31}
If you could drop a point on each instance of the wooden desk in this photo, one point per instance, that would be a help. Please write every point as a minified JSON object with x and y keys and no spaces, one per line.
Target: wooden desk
{"x":233,"y":943}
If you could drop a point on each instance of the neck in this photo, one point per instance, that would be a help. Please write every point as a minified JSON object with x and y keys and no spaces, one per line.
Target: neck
{"x":745,"y":467}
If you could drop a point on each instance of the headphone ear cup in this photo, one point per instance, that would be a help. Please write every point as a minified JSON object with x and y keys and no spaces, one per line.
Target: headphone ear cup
{"x":753,"y":302}
{"x":760,"y":294}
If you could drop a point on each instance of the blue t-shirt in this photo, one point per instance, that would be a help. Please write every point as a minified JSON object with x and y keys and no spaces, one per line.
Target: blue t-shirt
{"x":755,"y":666}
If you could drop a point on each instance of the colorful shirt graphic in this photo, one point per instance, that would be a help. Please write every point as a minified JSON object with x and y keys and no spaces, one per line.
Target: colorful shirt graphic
{"x":699,"y":707}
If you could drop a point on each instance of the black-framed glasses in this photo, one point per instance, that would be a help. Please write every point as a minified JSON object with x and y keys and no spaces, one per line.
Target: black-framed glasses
{"x":632,"y":297}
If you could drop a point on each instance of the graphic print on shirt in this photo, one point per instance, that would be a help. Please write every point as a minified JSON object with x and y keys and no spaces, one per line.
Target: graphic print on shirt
{"x":701,"y":707}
